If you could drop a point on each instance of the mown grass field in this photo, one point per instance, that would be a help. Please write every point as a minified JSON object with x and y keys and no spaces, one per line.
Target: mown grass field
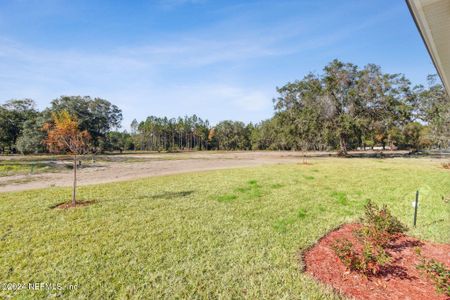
{"x":217,"y":234}
{"x":18,"y":168}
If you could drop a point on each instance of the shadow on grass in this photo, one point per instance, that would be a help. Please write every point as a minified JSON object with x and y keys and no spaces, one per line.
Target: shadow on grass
{"x":68,"y":204}
{"x":276,"y":186}
{"x":172,"y":195}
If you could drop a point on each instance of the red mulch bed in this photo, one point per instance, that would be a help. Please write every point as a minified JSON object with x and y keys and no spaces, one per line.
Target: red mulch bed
{"x":399,"y":280}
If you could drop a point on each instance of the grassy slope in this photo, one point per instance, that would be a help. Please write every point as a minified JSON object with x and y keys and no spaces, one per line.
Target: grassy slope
{"x":229,"y":233}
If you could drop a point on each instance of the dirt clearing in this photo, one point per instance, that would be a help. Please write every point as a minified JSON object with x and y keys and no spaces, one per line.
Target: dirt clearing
{"x":111,"y":168}
{"x":132,"y":166}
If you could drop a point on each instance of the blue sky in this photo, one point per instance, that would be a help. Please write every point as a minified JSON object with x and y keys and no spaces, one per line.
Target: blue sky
{"x":218,"y":59}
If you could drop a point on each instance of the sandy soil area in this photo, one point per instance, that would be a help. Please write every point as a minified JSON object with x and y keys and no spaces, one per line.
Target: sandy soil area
{"x":132,"y":166}
{"x":143,"y":165}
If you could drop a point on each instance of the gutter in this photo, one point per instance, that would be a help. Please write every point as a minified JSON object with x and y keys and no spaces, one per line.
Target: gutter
{"x":436,"y":66}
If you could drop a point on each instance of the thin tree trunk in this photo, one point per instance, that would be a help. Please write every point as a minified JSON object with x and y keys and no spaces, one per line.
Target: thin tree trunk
{"x":74,"y":180}
{"x":343,"y":143}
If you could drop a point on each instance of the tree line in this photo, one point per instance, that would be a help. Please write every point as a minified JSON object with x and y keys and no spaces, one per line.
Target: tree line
{"x":22,"y":125}
{"x":345,"y":107}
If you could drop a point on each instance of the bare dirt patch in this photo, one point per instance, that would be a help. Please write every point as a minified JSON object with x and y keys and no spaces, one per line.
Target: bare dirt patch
{"x":133,"y":166}
{"x":399,"y":280}
{"x":120,"y":167}
{"x":68,"y":205}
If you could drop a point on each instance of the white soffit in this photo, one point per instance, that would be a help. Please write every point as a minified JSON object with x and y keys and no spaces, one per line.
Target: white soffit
{"x":432,"y":18}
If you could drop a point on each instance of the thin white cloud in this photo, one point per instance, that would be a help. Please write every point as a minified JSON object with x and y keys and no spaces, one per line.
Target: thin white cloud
{"x":130,"y":76}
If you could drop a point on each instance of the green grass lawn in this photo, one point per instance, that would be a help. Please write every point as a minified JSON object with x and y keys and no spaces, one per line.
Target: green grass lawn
{"x":19,"y":168}
{"x":218,"y":234}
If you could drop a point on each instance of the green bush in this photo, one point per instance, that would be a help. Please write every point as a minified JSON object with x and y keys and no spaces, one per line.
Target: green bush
{"x":369,"y":261}
{"x":344,"y":250}
{"x":379,"y":228}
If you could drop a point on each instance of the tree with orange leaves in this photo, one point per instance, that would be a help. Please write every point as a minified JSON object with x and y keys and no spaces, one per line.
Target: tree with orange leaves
{"x":63,"y":135}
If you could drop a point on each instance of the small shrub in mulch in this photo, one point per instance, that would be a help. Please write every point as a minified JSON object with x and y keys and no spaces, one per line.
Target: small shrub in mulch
{"x":376,"y":260}
{"x":436,"y":271}
{"x":368,"y":256}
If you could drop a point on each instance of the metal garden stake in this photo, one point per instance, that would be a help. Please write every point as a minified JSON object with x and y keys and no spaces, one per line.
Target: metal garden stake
{"x":416,"y":204}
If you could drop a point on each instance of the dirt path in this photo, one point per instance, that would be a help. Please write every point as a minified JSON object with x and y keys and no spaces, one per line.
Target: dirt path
{"x":147,"y":165}
{"x":131,"y":166}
